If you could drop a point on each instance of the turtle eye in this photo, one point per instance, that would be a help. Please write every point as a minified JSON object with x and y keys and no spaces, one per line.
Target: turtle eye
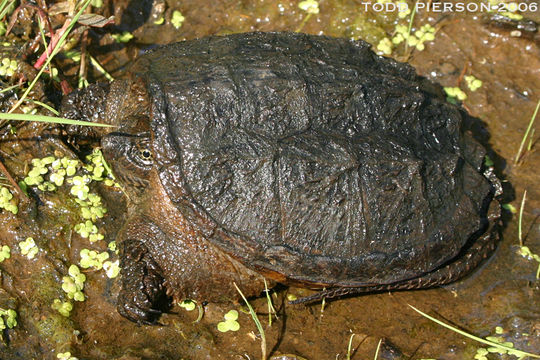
{"x":146,"y":154}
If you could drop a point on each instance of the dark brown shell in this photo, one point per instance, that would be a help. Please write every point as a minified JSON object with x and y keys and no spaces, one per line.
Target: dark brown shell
{"x":313,"y":157}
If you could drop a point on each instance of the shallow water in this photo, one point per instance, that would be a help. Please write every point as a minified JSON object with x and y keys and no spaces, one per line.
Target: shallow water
{"x":503,"y":292}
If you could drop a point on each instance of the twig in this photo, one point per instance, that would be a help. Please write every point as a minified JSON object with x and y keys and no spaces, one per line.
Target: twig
{"x":10,"y":179}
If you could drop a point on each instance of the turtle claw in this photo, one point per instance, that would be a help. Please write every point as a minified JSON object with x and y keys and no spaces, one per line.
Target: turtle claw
{"x":143,"y":296}
{"x":139,"y":315}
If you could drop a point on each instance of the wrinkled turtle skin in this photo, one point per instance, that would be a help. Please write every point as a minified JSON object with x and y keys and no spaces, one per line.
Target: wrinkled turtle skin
{"x":303,"y":159}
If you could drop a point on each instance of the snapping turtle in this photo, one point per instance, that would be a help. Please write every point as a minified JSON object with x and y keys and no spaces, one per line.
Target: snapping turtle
{"x":302,"y":159}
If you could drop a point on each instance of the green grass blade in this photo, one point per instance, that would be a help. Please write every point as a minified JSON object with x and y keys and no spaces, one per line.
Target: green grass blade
{"x":256,"y":321}
{"x":531,"y":122}
{"x":476,"y":338}
{"x":9,"y":88}
{"x":100,"y":68}
{"x":411,"y":21}
{"x":54,"y":111}
{"x":49,"y":119}
{"x":5,"y":7}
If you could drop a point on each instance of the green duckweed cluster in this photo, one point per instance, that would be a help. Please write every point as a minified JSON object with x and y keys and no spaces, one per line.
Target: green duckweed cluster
{"x":88,"y":230}
{"x":92,"y":259}
{"x":63,"y":307}
{"x":177,"y":19}
{"x":8,"y":319}
{"x":98,"y":168}
{"x":403,"y":32}
{"x":56,"y":169}
{"x":8,"y":67}
{"x":309,"y":6}
{"x":66,"y":356}
{"x":7,"y":201}
{"x":98,"y":261}
{"x":29,"y":248}
{"x":5,"y":253}
{"x":473,"y":83}
{"x":512,"y":8}
{"x":49,"y":173}
{"x":416,"y":39}
{"x":230,"y":323}
{"x":481,"y":353}
{"x":455,"y":92}
{"x":112,"y":247}
{"x":189,"y":305}
{"x":124,"y":37}
{"x":73,"y":284}
{"x":527,"y":253}
{"x":112,"y":268}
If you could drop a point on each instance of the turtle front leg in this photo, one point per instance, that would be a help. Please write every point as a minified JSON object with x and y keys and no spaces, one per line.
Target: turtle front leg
{"x":143,"y":297}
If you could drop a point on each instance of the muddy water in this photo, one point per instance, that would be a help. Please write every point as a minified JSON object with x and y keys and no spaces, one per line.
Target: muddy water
{"x":503,"y":292}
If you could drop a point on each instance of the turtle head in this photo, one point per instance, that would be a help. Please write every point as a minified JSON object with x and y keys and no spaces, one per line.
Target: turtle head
{"x":124,"y":105}
{"x":116,"y":104}
{"x":128,"y":151}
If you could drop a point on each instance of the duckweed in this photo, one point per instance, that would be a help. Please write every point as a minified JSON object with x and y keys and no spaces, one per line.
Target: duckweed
{"x":5,"y":253}
{"x":91,"y":258}
{"x":91,"y":207}
{"x":455,"y":92}
{"x":177,"y":19}
{"x":189,"y":305}
{"x":8,"y":318}
{"x":473,"y":83}
{"x":62,"y":170}
{"x":385,"y":46}
{"x":28,"y":248}
{"x":112,"y":268}
{"x":112,"y":246}
{"x":7,"y":201}
{"x":309,"y":6}
{"x":80,"y":188}
{"x":8,"y":67}
{"x":66,"y":356}
{"x":64,"y":308}
{"x":230,"y":323}
{"x":124,"y":37}
{"x":87,"y":229}
{"x":417,"y":39}
{"x":74,"y":283}
{"x":405,"y":10}
{"x":291,"y":297}
{"x":510,"y":208}
{"x":527,"y":253}
{"x":99,"y":168}
{"x":482,"y":353}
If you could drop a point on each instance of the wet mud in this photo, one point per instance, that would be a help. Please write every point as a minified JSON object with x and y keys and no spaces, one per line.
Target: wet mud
{"x":503,"y":292}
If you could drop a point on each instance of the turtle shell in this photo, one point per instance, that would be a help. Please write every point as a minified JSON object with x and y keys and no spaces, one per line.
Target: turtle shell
{"x":314,"y":158}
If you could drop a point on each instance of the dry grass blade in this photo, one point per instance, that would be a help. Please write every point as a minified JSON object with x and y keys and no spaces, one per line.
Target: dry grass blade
{"x":349,"y":348}
{"x":256,"y":321}
{"x":377,"y":351}
{"x":520,"y":234}
{"x":271,"y":309}
{"x":519,"y":353}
